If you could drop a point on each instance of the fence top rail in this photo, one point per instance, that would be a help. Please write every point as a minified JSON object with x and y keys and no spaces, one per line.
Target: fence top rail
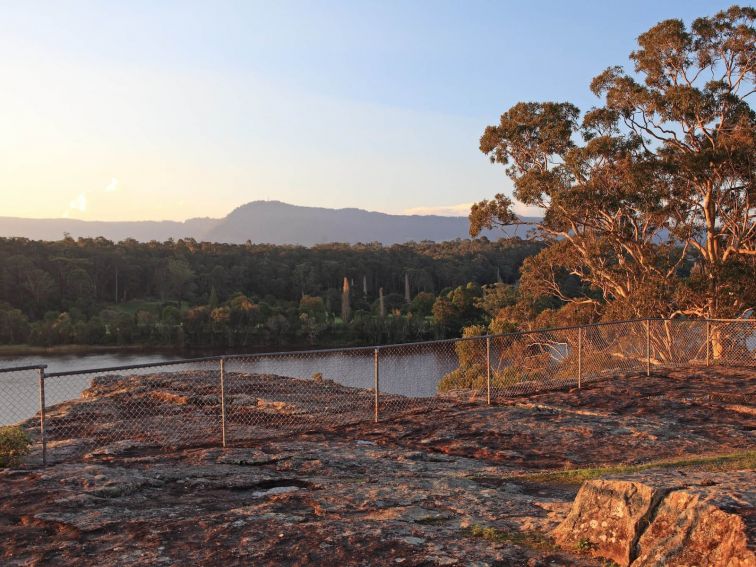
{"x":362,"y":348}
{"x":21,"y":368}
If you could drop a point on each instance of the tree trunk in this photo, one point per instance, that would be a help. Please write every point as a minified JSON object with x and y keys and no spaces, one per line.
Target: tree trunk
{"x":345,"y":307}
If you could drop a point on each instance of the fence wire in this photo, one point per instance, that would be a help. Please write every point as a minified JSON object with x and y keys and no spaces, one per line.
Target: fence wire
{"x":19,"y":393}
{"x":296,"y":391}
{"x":237,"y":399}
{"x":171,"y":405}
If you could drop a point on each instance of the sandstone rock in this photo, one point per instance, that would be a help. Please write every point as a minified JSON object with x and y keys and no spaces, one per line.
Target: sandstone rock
{"x":606,"y":518}
{"x":170,"y":397}
{"x":690,"y":527}
{"x":242,"y":400}
{"x":142,"y":482}
{"x":119,"y":449}
{"x":277,"y":407}
{"x":665,"y":519}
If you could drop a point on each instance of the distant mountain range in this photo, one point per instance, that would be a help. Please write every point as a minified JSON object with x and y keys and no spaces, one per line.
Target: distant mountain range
{"x":271,"y":222}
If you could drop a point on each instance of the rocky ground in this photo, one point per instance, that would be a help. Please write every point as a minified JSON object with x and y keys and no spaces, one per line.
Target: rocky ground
{"x":452,"y":484}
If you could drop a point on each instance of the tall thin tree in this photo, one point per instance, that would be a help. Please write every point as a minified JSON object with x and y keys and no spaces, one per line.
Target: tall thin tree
{"x":346,"y":309}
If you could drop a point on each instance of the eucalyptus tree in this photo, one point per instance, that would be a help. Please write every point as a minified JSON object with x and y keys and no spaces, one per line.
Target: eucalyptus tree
{"x":659,"y":176}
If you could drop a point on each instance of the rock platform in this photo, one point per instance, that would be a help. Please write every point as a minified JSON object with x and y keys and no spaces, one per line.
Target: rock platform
{"x":455,"y":484}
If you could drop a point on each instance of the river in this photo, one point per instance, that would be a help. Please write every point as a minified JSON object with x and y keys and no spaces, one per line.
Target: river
{"x":404,"y":371}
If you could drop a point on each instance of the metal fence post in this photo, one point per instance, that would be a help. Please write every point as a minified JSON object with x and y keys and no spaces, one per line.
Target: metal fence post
{"x":708,"y":343}
{"x":648,"y":347}
{"x":488,"y":370}
{"x":376,"y":386}
{"x":223,"y":401}
{"x":580,"y":356}
{"x":42,"y":433}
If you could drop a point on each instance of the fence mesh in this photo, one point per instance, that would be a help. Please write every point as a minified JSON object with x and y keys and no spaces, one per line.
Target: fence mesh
{"x":235,"y":400}
{"x":19,"y":394}
{"x":297,"y":391}
{"x":169,"y":405}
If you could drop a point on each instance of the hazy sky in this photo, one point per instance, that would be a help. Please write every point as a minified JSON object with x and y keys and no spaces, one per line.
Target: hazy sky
{"x":169,"y":110}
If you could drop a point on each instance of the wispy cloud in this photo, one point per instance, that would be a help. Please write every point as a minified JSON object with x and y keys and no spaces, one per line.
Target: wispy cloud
{"x":113,"y":186}
{"x":463,"y":209}
{"x":526,"y":211}
{"x":460,"y":210}
{"x":83,"y":201}
{"x":78,"y":204}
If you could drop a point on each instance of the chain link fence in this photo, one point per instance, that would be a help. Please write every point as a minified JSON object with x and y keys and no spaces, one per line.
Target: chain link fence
{"x":238,"y":399}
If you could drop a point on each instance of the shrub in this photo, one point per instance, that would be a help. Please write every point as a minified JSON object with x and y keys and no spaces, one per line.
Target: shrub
{"x":14,"y":445}
{"x":473,"y":377}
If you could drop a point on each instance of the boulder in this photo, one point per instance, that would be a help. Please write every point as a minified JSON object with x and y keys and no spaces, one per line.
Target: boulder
{"x":699,"y":526}
{"x":606,"y":518}
{"x":665,"y":519}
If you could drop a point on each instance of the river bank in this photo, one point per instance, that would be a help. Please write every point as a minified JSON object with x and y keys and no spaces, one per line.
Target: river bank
{"x":29,"y":350}
{"x":21,"y":350}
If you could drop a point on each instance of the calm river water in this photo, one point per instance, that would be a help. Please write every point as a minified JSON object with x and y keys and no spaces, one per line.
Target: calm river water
{"x":410,"y":372}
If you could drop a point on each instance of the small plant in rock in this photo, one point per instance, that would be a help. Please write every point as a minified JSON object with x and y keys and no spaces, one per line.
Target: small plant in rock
{"x":584,"y":544}
{"x":529,"y":538}
{"x":14,"y":445}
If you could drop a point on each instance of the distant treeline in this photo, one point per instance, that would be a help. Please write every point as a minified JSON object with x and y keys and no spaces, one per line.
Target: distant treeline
{"x":197,"y":294}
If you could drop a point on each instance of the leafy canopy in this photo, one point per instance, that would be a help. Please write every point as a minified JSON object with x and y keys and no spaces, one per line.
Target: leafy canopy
{"x":657,"y":178}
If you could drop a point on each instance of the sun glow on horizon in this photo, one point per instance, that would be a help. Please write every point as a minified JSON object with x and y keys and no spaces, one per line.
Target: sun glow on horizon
{"x":176,"y":110}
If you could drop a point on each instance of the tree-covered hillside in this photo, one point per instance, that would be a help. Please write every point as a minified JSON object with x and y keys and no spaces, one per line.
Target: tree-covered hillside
{"x":188,"y":293}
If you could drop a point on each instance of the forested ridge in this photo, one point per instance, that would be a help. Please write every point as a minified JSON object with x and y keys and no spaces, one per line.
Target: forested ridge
{"x":199,"y":294}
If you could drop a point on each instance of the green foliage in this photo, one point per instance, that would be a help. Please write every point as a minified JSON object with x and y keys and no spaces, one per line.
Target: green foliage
{"x":14,"y":325}
{"x":648,"y":198}
{"x":14,"y":446}
{"x":458,"y":308}
{"x":473,"y":377}
{"x":496,"y":297}
{"x":184,"y":293}
{"x":471,"y":374}
{"x":422,"y":304}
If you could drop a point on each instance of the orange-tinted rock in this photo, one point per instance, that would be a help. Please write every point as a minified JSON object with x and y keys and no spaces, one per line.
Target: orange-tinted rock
{"x":665,"y":519}
{"x":690,"y":528}
{"x":606,"y":518}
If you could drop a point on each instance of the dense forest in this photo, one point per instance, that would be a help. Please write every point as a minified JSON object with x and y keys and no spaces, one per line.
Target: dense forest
{"x":197,"y":294}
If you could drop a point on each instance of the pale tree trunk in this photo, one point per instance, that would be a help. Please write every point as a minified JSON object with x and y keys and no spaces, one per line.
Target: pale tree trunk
{"x":345,"y":307}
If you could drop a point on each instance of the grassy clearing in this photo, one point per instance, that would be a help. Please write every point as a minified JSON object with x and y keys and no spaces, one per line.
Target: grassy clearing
{"x":742,"y":460}
{"x":531,"y":539}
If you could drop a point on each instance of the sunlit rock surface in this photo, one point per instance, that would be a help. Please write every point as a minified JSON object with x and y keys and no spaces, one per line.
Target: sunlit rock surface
{"x":451,"y":484}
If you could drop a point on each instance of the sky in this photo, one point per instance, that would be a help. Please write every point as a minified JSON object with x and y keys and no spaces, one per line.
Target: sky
{"x":146,"y":110}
